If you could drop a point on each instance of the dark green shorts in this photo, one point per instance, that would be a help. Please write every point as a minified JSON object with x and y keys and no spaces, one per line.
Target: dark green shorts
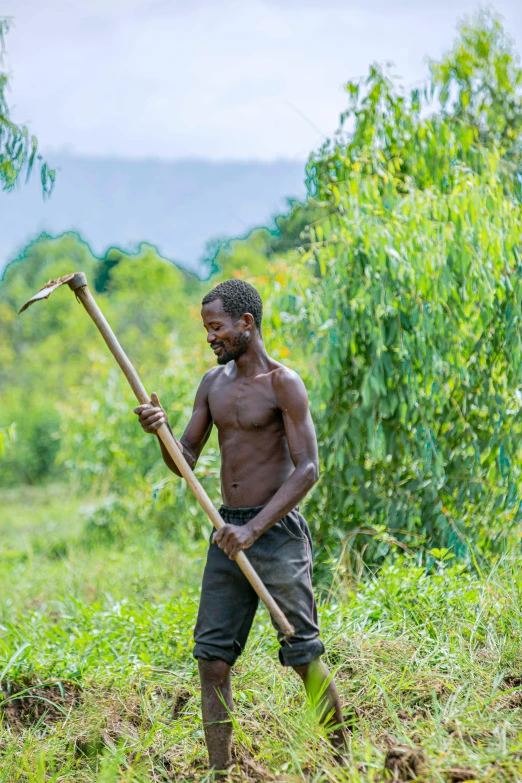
{"x":283,"y":559}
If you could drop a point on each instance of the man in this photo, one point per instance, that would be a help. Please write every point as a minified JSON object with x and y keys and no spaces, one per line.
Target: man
{"x":269,"y":462}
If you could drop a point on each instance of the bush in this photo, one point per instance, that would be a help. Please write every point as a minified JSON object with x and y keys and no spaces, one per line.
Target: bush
{"x":410,"y":299}
{"x":31,"y":445}
{"x":104,"y":448}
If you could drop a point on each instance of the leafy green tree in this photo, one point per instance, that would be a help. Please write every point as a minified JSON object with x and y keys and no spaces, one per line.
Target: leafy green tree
{"x":41,"y":357}
{"x":479,"y":86}
{"x":410,"y":299}
{"x":476,"y":90}
{"x":242,"y":257}
{"x":292,"y":226}
{"x":18,"y":148}
{"x":53,"y":353}
{"x":255,"y":254}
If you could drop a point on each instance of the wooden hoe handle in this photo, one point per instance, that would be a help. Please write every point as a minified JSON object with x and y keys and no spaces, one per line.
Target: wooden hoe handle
{"x":79,"y":285}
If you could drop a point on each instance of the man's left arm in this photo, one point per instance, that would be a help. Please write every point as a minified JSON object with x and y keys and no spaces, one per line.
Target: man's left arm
{"x":292,"y":400}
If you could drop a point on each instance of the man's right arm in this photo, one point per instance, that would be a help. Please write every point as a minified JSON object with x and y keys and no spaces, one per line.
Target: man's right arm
{"x":197,"y":432}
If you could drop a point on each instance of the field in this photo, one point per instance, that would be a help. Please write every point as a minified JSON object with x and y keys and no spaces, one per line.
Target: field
{"x":100,"y":684}
{"x":395,"y":291}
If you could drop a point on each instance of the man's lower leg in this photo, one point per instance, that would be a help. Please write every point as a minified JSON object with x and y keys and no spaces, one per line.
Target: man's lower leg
{"x":216,"y":688}
{"x":322,"y":692}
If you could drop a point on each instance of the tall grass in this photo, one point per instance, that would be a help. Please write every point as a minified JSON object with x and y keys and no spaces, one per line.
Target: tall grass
{"x":99,"y":683}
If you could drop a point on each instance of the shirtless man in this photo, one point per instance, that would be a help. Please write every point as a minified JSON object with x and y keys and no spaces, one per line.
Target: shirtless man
{"x":268,"y":464}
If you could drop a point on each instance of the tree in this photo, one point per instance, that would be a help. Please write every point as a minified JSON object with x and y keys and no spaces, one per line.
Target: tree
{"x":18,"y":148}
{"x":410,"y":296}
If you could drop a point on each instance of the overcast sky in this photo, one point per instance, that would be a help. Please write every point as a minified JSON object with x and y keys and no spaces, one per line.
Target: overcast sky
{"x":210,"y":78}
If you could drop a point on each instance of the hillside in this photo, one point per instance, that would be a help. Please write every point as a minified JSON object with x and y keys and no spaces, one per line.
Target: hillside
{"x":177,"y":206}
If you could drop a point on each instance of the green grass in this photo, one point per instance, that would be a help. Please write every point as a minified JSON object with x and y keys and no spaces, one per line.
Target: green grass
{"x":421,"y":660}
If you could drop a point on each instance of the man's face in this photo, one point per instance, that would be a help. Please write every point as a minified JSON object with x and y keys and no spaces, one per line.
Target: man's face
{"x":228,"y":339}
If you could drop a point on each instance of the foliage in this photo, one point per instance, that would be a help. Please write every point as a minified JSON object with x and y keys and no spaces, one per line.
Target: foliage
{"x":409,"y":296}
{"x":240,"y":257}
{"x":124,"y":465}
{"x":54,"y":349}
{"x":479,"y":86}
{"x":291,"y":227}
{"x":470,"y":109}
{"x":18,"y":148}
{"x":7,"y":436}
{"x":39,"y":357}
{"x":250,"y":256}
{"x":402,"y":315}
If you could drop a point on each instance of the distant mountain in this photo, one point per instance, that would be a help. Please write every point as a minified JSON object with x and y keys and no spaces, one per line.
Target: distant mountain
{"x":176,"y":206}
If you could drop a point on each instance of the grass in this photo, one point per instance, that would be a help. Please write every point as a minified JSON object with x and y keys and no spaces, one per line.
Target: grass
{"x":96,"y":641}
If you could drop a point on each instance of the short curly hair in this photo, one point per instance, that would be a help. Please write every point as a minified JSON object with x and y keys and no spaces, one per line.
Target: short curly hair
{"x":238,"y":298}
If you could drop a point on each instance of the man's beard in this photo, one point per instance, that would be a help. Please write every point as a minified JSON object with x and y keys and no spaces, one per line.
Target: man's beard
{"x":239,"y":347}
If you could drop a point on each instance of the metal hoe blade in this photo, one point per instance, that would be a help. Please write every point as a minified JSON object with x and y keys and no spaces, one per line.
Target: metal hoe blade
{"x":52,"y":285}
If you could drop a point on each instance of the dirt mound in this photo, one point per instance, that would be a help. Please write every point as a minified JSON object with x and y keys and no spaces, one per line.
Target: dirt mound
{"x":461,"y":774}
{"x":25,"y":703}
{"x":513,"y":681}
{"x":182,"y":699}
{"x":513,"y":700}
{"x":404,"y":763}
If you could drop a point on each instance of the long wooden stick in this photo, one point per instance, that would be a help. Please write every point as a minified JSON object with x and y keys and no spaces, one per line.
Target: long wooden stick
{"x":79,"y":286}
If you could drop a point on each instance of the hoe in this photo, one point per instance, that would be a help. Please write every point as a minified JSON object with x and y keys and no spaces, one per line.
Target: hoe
{"x":77,"y":282}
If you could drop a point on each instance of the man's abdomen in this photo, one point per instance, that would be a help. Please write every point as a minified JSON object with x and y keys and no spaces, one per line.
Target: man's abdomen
{"x":253,"y":469}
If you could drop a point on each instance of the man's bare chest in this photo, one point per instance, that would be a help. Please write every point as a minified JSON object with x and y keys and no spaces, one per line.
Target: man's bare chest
{"x":247,"y":405}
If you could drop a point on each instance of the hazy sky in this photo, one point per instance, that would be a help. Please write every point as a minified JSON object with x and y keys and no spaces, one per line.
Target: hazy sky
{"x":210,"y":78}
